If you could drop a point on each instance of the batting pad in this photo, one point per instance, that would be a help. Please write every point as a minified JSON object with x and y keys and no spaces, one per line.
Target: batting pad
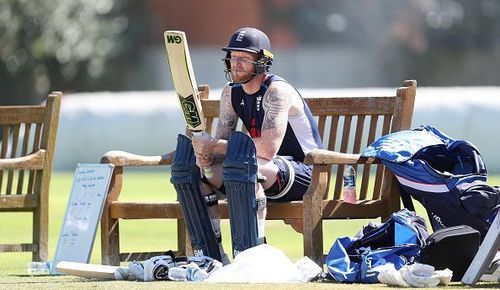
{"x":186,"y":181}
{"x":240,"y":176}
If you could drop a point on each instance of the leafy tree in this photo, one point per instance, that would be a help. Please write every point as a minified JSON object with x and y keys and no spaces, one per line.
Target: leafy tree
{"x":61,"y":45}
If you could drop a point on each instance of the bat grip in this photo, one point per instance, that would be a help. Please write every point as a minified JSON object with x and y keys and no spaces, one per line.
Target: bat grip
{"x":207,"y":171}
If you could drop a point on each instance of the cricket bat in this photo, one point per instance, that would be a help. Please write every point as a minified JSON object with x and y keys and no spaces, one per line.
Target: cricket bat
{"x":92,"y":270}
{"x":185,"y":85}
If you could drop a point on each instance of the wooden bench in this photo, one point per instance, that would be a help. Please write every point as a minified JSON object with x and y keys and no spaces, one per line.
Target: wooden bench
{"x":347,"y":124}
{"x":27,"y":148}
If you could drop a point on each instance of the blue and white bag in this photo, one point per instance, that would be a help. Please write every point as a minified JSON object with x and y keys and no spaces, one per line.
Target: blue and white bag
{"x":447,"y":176}
{"x":398,"y":241}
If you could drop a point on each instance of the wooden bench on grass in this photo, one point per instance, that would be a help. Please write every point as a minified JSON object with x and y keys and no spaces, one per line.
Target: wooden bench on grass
{"x":27,"y":148}
{"x":347,"y":125}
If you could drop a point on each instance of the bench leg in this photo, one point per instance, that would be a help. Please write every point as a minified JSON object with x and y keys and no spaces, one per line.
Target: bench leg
{"x":393,"y":201}
{"x":40,"y":234}
{"x":183,"y":242}
{"x":313,"y":210}
{"x":110,"y":228}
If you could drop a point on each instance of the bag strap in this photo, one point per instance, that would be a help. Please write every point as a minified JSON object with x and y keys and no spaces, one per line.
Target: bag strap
{"x":407,"y":200}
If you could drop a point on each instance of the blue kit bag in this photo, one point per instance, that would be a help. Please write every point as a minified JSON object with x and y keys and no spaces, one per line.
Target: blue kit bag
{"x":398,"y":241}
{"x":447,"y":176}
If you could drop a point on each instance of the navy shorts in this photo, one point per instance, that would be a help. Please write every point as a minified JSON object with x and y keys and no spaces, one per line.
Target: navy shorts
{"x":293,"y":179}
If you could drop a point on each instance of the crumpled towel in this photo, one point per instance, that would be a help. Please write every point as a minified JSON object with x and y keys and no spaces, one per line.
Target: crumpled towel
{"x":415,"y":275}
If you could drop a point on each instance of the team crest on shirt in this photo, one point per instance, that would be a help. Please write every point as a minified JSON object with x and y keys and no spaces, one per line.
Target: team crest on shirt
{"x":242,"y":103}
{"x":259,"y":99}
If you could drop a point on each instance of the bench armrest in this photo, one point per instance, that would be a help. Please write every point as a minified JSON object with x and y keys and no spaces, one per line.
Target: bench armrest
{"x":122,"y":158}
{"x":326,"y":157}
{"x":28,"y":162}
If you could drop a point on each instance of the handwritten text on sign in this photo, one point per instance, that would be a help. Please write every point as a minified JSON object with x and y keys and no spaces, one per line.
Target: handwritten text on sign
{"x":83,"y":212}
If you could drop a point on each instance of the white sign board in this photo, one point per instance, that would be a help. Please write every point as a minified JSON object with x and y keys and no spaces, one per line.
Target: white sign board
{"x":83,"y":213}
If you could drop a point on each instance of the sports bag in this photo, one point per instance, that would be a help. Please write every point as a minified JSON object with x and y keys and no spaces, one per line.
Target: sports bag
{"x":397,"y":241}
{"x":447,"y":176}
{"x":453,"y":248}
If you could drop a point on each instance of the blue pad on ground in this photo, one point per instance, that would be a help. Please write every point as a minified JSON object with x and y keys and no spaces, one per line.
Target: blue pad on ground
{"x":186,"y":181}
{"x":240,"y":176}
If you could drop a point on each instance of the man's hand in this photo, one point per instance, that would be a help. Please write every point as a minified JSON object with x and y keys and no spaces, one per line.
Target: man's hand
{"x":204,"y":161}
{"x":203,"y":149}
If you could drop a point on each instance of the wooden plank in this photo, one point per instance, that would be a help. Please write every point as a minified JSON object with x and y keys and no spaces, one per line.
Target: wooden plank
{"x":351,"y":105}
{"x":33,"y":161}
{"x":387,"y":125}
{"x":13,"y":151}
{"x":122,"y":158}
{"x":145,"y":210}
{"x":312,"y":222}
{"x":110,"y":227}
{"x":332,"y":143}
{"x":42,"y":179}
{"x":3,"y":150}
{"x":377,"y":188}
{"x":321,"y":127}
{"x":21,"y":114}
{"x":332,"y":138}
{"x":379,"y":173}
{"x":358,"y":135}
{"x":36,"y":146}
{"x":172,"y":210}
{"x":366,"y":169}
{"x":18,"y":202}
{"x":337,"y":209}
{"x":24,"y":152}
{"x":210,"y":108}
{"x":209,"y":122}
{"x":17,"y":247}
{"x":346,"y":132}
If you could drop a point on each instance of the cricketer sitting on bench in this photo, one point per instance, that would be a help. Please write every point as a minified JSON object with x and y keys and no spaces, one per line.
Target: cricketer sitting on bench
{"x":281,"y":132}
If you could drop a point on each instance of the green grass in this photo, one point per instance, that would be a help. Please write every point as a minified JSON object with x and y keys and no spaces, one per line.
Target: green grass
{"x":147,"y":235}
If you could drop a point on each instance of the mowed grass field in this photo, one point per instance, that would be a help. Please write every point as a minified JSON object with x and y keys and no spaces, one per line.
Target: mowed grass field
{"x":151,"y":235}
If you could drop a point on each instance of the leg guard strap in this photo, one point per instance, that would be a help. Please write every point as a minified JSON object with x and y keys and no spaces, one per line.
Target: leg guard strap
{"x":211,"y":199}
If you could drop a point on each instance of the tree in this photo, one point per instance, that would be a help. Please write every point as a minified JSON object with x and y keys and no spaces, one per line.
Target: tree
{"x":60,"y":45}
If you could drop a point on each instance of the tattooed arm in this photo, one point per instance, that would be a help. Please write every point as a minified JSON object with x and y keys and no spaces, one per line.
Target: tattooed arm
{"x":276,"y":103}
{"x":227,"y":122}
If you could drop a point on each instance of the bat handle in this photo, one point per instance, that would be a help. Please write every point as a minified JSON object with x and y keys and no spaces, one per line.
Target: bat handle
{"x":208,"y":170}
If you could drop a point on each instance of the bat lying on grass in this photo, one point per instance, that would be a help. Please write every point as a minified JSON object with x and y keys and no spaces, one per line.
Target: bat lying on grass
{"x":181,"y":67}
{"x":93,"y":270}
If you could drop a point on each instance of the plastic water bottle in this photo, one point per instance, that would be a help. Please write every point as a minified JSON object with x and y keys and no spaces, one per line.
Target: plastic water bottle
{"x":350,"y":184}
{"x":39,"y":268}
